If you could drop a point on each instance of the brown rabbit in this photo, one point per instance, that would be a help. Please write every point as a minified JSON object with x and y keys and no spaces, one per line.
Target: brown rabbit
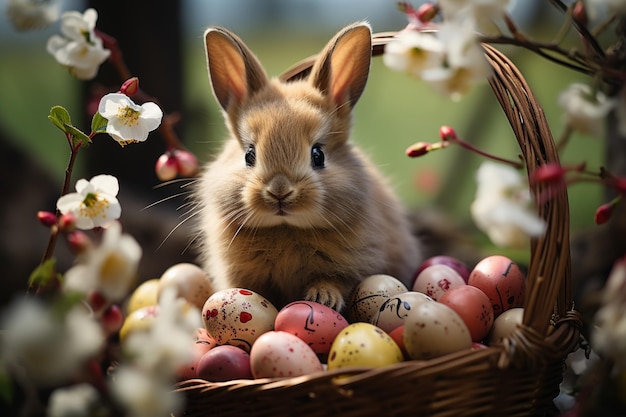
{"x":291,"y":208}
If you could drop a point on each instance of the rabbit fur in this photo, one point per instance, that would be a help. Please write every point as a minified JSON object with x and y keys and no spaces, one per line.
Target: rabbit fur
{"x":291,"y":208}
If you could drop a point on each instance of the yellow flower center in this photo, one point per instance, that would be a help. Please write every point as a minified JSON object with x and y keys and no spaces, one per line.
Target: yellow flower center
{"x":93,"y":206}
{"x":113,"y":267}
{"x":128,"y":116}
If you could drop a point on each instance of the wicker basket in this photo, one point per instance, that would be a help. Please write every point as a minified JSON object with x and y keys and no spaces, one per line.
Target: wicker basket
{"x":520,"y":377}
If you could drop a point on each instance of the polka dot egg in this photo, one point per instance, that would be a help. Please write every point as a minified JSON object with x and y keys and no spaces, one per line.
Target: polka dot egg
{"x":363,"y":344}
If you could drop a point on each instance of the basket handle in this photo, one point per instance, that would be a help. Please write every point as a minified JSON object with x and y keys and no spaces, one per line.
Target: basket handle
{"x":548,"y":291}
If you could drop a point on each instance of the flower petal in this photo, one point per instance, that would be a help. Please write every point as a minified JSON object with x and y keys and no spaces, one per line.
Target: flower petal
{"x":106,"y":183}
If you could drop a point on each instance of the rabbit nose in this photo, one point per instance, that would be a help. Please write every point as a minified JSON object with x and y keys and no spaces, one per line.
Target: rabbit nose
{"x":279,"y":187}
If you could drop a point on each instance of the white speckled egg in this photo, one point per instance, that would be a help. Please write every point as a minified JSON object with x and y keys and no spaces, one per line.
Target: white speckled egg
{"x":190,"y":282}
{"x":437,"y":279}
{"x":278,"y":354}
{"x":505,"y":324}
{"x":369,"y":294}
{"x":363,"y":344}
{"x":392,"y":312}
{"x":434,"y":329}
{"x":237,"y":317}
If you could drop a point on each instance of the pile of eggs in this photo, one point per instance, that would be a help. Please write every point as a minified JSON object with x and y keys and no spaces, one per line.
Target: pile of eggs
{"x":448,"y":308}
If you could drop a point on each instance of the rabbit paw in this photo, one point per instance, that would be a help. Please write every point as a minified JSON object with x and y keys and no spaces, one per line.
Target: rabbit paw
{"x":327,"y":294}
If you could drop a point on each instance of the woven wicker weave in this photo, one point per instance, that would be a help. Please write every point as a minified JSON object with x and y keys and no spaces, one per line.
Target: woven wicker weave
{"x":520,"y":377}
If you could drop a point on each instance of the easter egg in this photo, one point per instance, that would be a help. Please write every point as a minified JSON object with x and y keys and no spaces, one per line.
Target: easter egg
{"x":237,"y":316}
{"x":501,"y":280}
{"x":473,"y":306}
{"x":434,"y":329}
{"x":190,"y":282}
{"x":392,"y":312}
{"x":363,"y":344}
{"x":140,"y":320}
{"x":146,"y":294}
{"x":314,"y":323}
{"x":449,"y":261}
{"x":369,"y":294}
{"x":437,"y":279}
{"x":224,"y":363}
{"x":202,"y":343}
{"x":505,"y":324}
{"x":281,"y":354}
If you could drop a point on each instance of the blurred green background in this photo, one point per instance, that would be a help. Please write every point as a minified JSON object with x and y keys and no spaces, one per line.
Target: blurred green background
{"x":394,"y":112}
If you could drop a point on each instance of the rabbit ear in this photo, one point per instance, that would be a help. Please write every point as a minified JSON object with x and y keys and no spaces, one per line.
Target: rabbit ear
{"x":342,"y":68}
{"x":234,"y":71}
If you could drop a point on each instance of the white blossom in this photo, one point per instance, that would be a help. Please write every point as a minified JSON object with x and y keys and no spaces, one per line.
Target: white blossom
{"x":74,"y":401}
{"x":32,"y":14}
{"x":502,"y":207}
{"x":127,"y":121}
{"x":47,"y":346}
{"x":79,"y":49}
{"x":143,"y":395}
{"x":94,"y":204}
{"x":109,"y":268}
{"x":483,"y":14}
{"x":412,"y":52}
{"x":585,"y":110}
{"x":608,"y":336}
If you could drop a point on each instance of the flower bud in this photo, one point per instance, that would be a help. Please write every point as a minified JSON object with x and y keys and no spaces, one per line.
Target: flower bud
{"x":67,"y":222}
{"x":447,"y":133}
{"x":186,"y":163}
{"x":603,"y":213}
{"x":549,"y":173}
{"x":97,"y":301}
{"x":579,"y":13}
{"x":112,"y":319}
{"x":166,"y":167}
{"x":418,"y":149}
{"x":426,"y":12}
{"x":130,"y":86}
{"x":47,"y":218}
{"x":78,"y":241}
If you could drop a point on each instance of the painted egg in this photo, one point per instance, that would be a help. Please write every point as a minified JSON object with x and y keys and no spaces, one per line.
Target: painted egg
{"x":140,"y":320}
{"x":434,"y":280}
{"x":473,"y":306}
{"x":434,"y":329}
{"x":392,"y":312}
{"x":146,"y":294}
{"x":505,"y":324}
{"x":190,"y":281}
{"x":224,"y":363}
{"x":280,"y":354}
{"x":397,"y":335}
{"x":502,"y":280}
{"x":202,"y":343}
{"x":363,"y":344}
{"x":313,"y":322}
{"x":450,"y":261}
{"x":369,"y":294}
{"x":237,"y":316}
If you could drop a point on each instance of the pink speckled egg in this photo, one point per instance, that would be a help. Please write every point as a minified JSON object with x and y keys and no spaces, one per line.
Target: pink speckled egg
{"x":315,"y":323}
{"x":502,"y":280}
{"x":278,"y":354}
{"x":237,"y":317}
{"x":392,"y":312}
{"x":450,"y":261}
{"x":202,"y":343}
{"x":473,"y":306}
{"x":437,"y":279}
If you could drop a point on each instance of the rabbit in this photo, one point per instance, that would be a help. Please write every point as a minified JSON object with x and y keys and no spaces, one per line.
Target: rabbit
{"x":291,"y":208}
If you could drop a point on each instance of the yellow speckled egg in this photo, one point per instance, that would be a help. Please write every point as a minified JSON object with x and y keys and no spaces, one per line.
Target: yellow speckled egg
{"x":369,"y":294}
{"x":146,"y":294}
{"x":363,"y":344}
{"x":432,"y":329}
{"x":190,"y":282}
{"x":140,"y":320}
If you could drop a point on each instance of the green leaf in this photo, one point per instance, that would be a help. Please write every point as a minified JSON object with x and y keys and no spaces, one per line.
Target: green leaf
{"x":78,"y":136}
{"x":60,"y":117}
{"x":43,"y":274}
{"x":6,"y":387}
{"x":98,"y":123}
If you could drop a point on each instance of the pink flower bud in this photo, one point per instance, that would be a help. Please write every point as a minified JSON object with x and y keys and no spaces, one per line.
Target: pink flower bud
{"x":620,"y":184}
{"x":426,"y":12}
{"x":186,"y":163}
{"x":97,"y":301}
{"x":130,"y":86}
{"x":47,"y":218}
{"x":579,"y":13}
{"x":112,"y":319}
{"x":67,"y":222}
{"x":447,"y":133}
{"x":78,"y":241}
{"x":549,"y":173}
{"x":603,"y":213}
{"x":418,"y":149}
{"x":166,"y":167}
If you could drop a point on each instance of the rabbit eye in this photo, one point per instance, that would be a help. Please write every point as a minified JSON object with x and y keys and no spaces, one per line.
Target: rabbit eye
{"x":250,"y":156}
{"x":317,"y":157}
